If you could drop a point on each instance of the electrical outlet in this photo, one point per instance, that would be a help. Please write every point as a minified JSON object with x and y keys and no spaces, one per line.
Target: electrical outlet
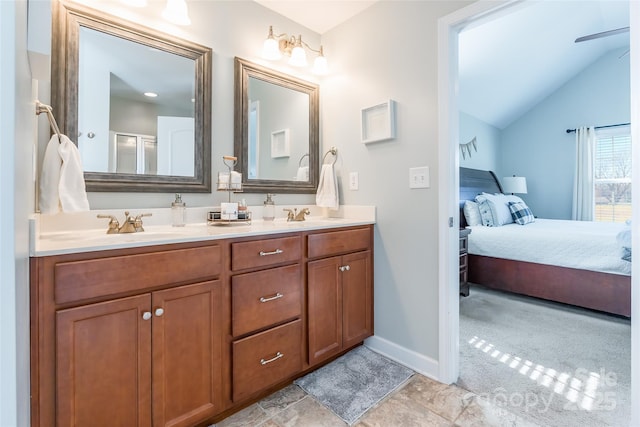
{"x":419,"y":177}
{"x":353,"y":181}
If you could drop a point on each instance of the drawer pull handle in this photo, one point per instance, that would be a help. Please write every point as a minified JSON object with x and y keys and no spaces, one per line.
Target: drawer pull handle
{"x":276,"y":296}
{"x":276,"y":252}
{"x":146,"y":315}
{"x":345,"y":268}
{"x":273,"y":359}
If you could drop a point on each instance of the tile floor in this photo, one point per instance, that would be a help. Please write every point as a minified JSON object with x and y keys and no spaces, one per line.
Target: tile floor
{"x":419,"y":402}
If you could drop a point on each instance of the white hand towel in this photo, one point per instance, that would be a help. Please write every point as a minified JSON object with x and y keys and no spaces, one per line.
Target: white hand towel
{"x":62,"y":186}
{"x":303,"y":173}
{"x":327,"y":194}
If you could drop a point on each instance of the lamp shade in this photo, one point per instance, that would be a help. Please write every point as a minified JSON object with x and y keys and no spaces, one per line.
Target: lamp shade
{"x":514,"y":184}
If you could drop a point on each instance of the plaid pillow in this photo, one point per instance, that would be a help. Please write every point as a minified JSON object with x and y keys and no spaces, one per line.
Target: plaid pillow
{"x":521,"y":213}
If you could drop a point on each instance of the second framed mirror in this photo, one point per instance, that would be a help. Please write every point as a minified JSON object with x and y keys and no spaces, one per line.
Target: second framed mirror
{"x":276,"y":130}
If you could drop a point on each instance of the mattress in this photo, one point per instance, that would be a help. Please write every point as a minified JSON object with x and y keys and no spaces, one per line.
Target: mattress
{"x":584,"y":245}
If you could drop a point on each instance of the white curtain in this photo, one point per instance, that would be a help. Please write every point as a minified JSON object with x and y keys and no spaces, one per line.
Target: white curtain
{"x":583,"y":201}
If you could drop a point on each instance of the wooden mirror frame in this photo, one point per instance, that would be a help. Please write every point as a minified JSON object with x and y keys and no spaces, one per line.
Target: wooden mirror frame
{"x":67,"y":20}
{"x":243,"y":71}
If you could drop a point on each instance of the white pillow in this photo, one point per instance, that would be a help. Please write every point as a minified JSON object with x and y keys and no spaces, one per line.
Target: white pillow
{"x":486,"y":213}
{"x":499,"y":206}
{"x":472,"y":213}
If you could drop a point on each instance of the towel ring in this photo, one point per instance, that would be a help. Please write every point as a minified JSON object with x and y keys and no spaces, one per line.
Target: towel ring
{"x":302,"y":158}
{"x":43,"y":108}
{"x":334,"y":151}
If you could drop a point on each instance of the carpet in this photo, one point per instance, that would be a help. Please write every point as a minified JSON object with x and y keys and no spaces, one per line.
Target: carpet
{"x":355,"y":382}
{"x":552,"y":364}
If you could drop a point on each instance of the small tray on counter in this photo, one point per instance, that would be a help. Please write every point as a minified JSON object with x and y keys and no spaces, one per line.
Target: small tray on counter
{"x":214,"y":218}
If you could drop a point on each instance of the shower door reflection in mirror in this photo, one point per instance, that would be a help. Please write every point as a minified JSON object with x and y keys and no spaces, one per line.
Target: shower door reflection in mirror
{"x":138,"y":93}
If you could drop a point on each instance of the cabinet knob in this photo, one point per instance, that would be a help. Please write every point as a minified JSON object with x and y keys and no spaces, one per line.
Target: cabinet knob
{"x":146,"y":315}
{"x":159,"y":312}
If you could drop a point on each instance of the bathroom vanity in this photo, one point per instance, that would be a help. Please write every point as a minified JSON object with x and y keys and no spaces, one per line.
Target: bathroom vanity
{"x":188,"y":328}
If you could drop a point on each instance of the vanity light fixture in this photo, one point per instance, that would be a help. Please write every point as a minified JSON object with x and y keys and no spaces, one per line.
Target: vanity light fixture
{"x":176,"y":12}
{"x":151,"y":94}
{"x":282,"y":44}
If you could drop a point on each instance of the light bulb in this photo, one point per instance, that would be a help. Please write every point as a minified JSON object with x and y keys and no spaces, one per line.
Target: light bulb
{"x":298,"y":57}
{"x":176,"y":12}
{"x":271,"y":49}
{"x":320,"y":65}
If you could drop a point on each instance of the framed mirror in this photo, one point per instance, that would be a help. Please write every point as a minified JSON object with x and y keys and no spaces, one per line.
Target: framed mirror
{"x":137,"y":102}
{"x":276,"y":130}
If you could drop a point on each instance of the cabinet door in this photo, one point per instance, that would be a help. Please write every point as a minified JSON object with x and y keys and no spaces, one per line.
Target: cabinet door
{"x":357,"y":298}
{"x":103,"y":364}
{"x":324,"y":309}
{"x":187,"y":354}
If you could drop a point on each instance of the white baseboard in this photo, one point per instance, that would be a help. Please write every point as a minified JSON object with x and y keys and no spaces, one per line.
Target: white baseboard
{"x":422,"y":364}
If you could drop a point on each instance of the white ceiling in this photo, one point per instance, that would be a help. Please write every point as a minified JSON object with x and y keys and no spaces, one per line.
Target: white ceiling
{"x":317,"y":15}
{"x":509,"y":64}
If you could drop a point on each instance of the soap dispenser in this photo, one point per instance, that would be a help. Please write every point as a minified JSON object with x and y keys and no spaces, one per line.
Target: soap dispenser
{"x":269,"y":209}
{"x":178,"y":209}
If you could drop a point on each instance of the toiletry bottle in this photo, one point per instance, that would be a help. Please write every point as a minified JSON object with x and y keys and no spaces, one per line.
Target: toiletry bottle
{"x":177,"y":211}
{"x":269,"y":209}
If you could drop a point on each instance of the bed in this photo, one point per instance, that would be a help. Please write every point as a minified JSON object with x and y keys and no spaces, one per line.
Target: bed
{"x":566,"y":271}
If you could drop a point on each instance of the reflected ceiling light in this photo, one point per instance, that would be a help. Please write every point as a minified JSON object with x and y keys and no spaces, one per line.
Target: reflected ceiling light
{"x":151,"y":94}
{"x":282,"y":44}
{"x":176,"y":12}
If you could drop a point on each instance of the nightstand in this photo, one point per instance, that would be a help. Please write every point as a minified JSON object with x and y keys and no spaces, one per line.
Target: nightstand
{"x":464,"y":265}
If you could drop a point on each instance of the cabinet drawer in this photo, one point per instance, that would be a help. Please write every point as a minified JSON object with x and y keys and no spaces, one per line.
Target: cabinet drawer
{"x":79,"y":280}
{"x":338,"y":242}
{"x":261,"y":253}
{"x":265,"y":359}
{"x":264,"y":298}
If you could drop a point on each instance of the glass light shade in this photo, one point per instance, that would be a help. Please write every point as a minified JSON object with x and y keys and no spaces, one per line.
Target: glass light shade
{"x":514,"y":184}
{"x":176,"y":12}
{"x":320,"y":65}
{"x":298,"y":57}
{"x":271,"y":50}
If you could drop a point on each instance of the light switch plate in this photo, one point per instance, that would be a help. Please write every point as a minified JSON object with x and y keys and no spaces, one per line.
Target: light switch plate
{"x":419,"y":177}
{"x":353,"y":181}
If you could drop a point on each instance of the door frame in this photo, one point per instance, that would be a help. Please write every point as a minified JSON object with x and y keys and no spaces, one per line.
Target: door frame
{"x":448,"y":162}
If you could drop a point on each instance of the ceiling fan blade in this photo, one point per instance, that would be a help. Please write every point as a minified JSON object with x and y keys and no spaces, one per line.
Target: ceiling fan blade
{"x":602,"y":34}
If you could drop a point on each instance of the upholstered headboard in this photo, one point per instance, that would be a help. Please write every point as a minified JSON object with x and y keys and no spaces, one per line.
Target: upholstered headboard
{"x":474,"y":182}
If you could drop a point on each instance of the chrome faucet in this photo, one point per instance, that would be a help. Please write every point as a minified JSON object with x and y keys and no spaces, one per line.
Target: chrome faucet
{"x":130,"y":225}
{"x":295,"y":215}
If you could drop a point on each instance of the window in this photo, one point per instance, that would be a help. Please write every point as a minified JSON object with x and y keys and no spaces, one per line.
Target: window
{"x":612,"y":170}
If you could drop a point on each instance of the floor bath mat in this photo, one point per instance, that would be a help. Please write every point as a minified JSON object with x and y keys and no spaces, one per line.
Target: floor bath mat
{"x":355,"y":382}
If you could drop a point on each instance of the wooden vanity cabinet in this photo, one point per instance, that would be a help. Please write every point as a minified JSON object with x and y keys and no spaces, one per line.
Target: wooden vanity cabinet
{"x":266,"y":310}
{"x":150,"y":359}
{"x":340,"y":291}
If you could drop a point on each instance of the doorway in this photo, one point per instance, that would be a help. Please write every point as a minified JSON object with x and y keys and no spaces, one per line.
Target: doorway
{"x":448,"y":30}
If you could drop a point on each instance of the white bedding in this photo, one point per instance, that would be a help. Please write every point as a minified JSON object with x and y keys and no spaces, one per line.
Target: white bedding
{"x":584,"y":245}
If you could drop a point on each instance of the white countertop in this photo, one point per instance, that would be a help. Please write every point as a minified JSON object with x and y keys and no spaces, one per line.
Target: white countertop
{"x":83,"y":232}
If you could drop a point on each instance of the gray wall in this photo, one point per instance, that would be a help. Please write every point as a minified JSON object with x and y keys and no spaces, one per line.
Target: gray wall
{"x":390,"y":51}
{"x":536,"y":145}
{"x":487,"y":142}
